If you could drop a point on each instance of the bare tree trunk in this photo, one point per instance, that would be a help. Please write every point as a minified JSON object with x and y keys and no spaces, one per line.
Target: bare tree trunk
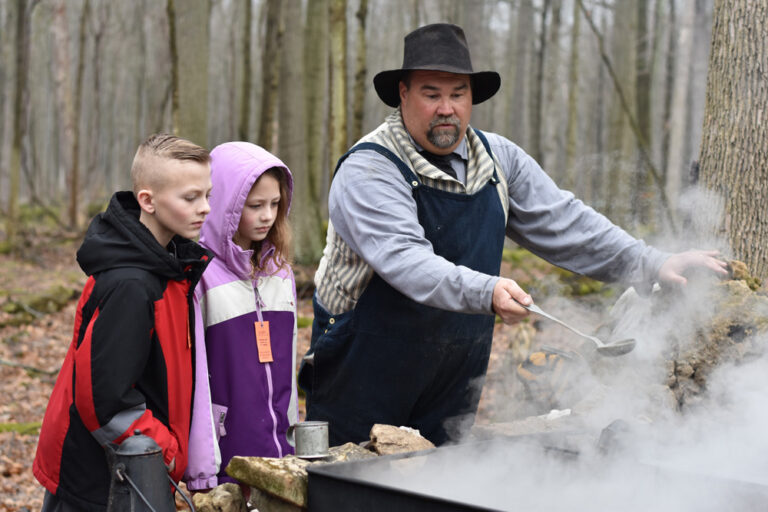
{"x":245,"y":104}
{"x":622,"y":59}
{"x":734,"y":154}
{"x":552,"y":126}
{"x":98,"y":28}
{"x":171,"y":13}
{"x":677,"y":168}
{"x":140,"y":127}
{"x":6,"y":74}
{"x":702,"y":35}
{"x":573,"y":94}
{"x":192,"y":51}
{"x":74,"y":180}
{"x":657,"y":60}
{"x":517,"y":117}
{"x":471,"y":17}
{"x":669,"y":87}
{"x":338,"y":59}
{"x":360,"y":73}
{"x":596,"y":188}
{"x":270,"y":60}
{"x":315,"y":102}
{"x":291,"y":142}
{"x":534,"y":142}
{"x":63,"y":94}
{"x":641,"y":193}
{"x":21,"y":97}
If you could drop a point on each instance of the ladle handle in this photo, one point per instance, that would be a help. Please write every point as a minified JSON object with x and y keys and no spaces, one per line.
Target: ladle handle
{"x":533,"y":308}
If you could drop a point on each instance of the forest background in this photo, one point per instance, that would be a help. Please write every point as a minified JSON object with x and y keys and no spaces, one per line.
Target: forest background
{"x":610,"y":96}
{"x":651,"y":111}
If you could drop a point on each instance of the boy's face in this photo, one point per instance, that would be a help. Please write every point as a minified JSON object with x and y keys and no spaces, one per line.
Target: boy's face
{"x":178,"y":204}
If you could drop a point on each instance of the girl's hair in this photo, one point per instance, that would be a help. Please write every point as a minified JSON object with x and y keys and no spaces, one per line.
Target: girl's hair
{"x":280,"y":234}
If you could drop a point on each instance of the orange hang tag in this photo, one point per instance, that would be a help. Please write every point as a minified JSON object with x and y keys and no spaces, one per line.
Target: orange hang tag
{"x":262,"y":342}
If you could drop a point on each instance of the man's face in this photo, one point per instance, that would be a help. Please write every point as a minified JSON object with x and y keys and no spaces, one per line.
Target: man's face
{"x":436,"y":109}
{"x":180,"y":201}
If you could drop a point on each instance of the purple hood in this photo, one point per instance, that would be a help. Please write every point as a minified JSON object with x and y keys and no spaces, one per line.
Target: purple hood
{"x":235,"y":167}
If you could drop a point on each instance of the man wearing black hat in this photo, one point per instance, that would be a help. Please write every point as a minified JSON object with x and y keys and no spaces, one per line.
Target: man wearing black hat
{"x":409,"y":281}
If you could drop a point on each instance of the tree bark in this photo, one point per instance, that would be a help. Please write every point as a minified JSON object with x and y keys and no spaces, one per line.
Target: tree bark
{"x":517,"y":118}
{"x":621,"y":105}
{"x":270,"y":60}
{"x":677,"y":166}
{"x":571,"y":132}
{"x":291,"y":142}
{"x":174,"y":71}
{"x":552,"y":126}
{"x":734,"y":154}
{"x":338,"y":68}
{"x":534,"y":142}
{"x":192,"y":34}
{"x":669,"y":87}
{"x":361,"y":72}
{"x":641,"y":193}
{"x":64,"y":98}
{"x":74,"y":181}
{"x":315,"y":99}
{"x":20,"y":99}
{"x":245,"y":104}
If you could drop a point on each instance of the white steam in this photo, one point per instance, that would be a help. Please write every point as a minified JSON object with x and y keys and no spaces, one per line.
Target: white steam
{"x":712,"y":456}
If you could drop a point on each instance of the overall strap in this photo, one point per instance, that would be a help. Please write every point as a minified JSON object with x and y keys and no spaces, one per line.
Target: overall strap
{"x":480,"y":135}
{"x":410,"y":177}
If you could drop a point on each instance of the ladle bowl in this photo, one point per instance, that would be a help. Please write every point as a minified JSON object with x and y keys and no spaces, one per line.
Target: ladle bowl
{"x":618,"y":348}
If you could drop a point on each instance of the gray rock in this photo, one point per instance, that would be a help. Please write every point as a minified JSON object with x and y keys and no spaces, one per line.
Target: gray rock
{"x":265,"y":502}
{"x":286,"y":478}
{"x":223,"y":498}
{"x":388,"y":439}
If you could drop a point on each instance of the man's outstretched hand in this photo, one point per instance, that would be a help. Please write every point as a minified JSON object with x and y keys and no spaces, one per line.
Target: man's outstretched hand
{"x":673,"y":269}
{"x":507,"y":297}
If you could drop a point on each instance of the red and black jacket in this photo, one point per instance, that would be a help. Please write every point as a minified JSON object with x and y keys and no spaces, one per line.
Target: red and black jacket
{"x":130,"y":363}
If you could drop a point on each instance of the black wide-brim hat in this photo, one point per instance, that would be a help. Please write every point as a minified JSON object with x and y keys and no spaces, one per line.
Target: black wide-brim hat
{"x":437,"y":47}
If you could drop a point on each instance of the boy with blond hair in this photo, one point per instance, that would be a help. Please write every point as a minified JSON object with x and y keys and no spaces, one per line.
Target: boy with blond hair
{"x":130,"y":364}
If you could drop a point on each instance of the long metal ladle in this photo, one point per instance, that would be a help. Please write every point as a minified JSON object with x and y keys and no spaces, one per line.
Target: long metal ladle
{"x":613,"y":349}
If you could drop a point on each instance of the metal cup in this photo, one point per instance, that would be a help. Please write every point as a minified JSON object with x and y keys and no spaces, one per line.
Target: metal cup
{"x":309,"y":438}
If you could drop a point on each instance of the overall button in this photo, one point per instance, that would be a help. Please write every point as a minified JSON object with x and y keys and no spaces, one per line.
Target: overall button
{"x":332,"y":321}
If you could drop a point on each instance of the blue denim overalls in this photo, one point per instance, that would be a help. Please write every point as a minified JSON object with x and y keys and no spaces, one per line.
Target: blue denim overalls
{"x":394,"y":361}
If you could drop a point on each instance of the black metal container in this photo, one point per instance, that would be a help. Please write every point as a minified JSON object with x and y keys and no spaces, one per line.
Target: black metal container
{"x":522,"y":475}
{"x":139,"y":477}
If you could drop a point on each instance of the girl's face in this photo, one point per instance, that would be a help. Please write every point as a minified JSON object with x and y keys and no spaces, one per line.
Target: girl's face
{"x":259,"y":212}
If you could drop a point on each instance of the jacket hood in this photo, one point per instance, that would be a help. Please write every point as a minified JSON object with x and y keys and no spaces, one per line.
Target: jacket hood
{"x":116,"y":238}
{"x":235,"y":167}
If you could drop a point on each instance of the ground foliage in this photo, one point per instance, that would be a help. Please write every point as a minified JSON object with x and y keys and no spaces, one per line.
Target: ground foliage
{"x":39,"y":286}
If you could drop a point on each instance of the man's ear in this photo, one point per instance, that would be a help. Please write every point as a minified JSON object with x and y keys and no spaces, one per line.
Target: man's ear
{"x":146,"y":200}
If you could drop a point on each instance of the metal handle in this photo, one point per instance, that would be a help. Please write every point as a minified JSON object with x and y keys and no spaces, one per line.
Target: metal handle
{"x":183,"y":494}
{"x":122,"y":475}
{"x":533,"y":308}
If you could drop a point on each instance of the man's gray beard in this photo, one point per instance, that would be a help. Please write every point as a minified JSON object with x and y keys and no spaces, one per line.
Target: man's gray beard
{"x":445,"y":138}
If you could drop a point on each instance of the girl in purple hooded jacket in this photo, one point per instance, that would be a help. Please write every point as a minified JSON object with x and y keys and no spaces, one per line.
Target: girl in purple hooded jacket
{"x":248,"y":301}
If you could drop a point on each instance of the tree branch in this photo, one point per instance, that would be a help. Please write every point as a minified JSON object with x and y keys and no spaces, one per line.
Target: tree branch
{"x":641,"y":142}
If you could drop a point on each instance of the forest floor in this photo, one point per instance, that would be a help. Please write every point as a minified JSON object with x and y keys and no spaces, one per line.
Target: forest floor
{"x":31,"y":355}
